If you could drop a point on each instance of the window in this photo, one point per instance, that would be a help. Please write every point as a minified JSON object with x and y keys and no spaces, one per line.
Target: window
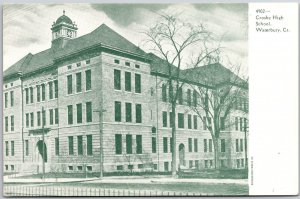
{"x":165,"y":118}
{"x":6,"y":124}
{"x":127,"y":81}
{"x":241,"y":124}
{"x":130,"y":167}
{"x":137,"y":66}
{"x":71,"y":145}
{"x":164,"y":93}
{"x":166,"y":166}
{"x":79,"y":168}
{"x":88,"y":61}
{"x":56,"y":146}
{"x":27,"y":120}
{"x":44,"y":117}
{"x":155,"y":166}
{"x":195,"y":100}
{"x":210,"y":163}
{"x":51,"y":116}
{"x":245,"y":124}
{"x":79,"y":145}
{"x":195,"y":122}
{"x":70,"y":168}
{"x":50,"y":90}
{"x":241,"y":145}
{"x":117,"y":61}
{"x":127,"y":63}
{"x":117,"y":79}
{"x":31,"y":119}
{"x":205,"y":145}
{"x":165,"y":144}
{"x":69,"y":67}
{"x":204,"y":123}
{"x":31,"y":95}
{"x":89,"y":144}
{"x":137,"y":83}
{"x":197,"y":164}
{"x":89,"y":168}
{"x":70,"y":114}
{"x":6,"y":148}
{"x":12,"y":167}
{"x":120,"y":168}
{"x":210,"y":145}
{"x":180,"y":120}
{"x":55,"y":88}
{"x":118,"y":111}
{"x":129,"y":144}
{"x":170,"y":93}
{"x":180,"y":99}
{"x":43,"y":92}
{"x":39,"y":118}
{"x":153,"y":144}
{"x":138,"y":113}
{"x":79,"y":113}
{"x":238,"y":163}
{"x":89,"y":112}
{"x":222,"y":145}
{"x":188,"y":97}
{"x":78,"y":64}
{"x":140,"y":166}
{"x":56,"y":115}
{"x":171,"y":144}
{"x":209,"y":122}
{"x":128,"y":112}
{"x":190,"y":163}
{"x":139,"y":144}
{"x":222,"y":126}
{"x":190,"y":145}
{"x":6,"y":167}
{"x":195,"y":145}
{"x":6,"y":99}
{"x":242,"y":162}
{"x":12,"y":148}
{"x":189,"y":121}
{"x":12,"y":123}
{"x":26,"y":148}
{"x":78,"y":82}
{"x":170,"y":116}
{"x":237,"y":145}
{"x":26,"y":96}
{"x":118,"y":143}
{"x":12,"y":98}
{"x":69,"y":84}
{"x":236,"y":123}
{"x":38,"y":93}
{"x":88,"y":80}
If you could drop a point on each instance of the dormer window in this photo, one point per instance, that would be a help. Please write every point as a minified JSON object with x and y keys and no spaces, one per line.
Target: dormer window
{"x":69,"y":67}
{"x":78,"y":64}
{"x":127,"y":63}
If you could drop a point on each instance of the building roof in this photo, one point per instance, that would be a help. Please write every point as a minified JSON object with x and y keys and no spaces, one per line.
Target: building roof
{"x":64,"y":19}
{"x":102,"y":36}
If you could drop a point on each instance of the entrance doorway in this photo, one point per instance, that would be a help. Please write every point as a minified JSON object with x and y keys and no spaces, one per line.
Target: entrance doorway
{"x":181,"y":155}
{"x":42,"y":149}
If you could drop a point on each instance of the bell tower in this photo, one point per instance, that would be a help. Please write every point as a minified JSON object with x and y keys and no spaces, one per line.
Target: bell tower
{"x":63,"y":29}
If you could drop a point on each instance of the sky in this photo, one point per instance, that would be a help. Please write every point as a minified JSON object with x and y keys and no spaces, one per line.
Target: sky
{"x":26,"y":27}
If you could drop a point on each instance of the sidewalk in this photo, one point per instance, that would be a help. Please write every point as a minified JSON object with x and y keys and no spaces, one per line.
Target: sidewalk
{"x":127,"y":179}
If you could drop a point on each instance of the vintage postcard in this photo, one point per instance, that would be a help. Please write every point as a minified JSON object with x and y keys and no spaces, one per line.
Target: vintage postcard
{"x":149,"y":99}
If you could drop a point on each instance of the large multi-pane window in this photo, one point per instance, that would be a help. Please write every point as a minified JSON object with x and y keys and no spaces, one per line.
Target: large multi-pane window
{"x":195,"y":145}
{"x":241,"y":145}
{"x":137,"y":83}
{"x":70,"y":114}
{"x":164,"y":92}
{"x":26,"y":96}
{"x":188,"y":93}
{"x":89,"y":145}
{"x":118,"y":143}
{"x":31,"y":119}
{"x":56,"y":146}
{"x":222,"y":121}
{"x":50,"y":90}
{"x":128,"y":112}
{"x":171,"y":144}
{"x":210,"y":145}
{"x":43,"y":92}
{"x":180,"y":120}
{"x":138,"y":113}
{"x":204,"y":123}
{"x":26,"y":147}
{"x":6,"y":99}
{"x":6,"y":148}
{"x":195,"y":98}
{"x":179,"y":94}
{"x":79,"y":145}
{"x":129,"y":144}
{"x":27,"y":119}
{"x":12,"y":99}
{"x":117,"y":79}
{"x":69,"y":84}
{"x":165,"y":118}
{"x":241,"y":124}
{"x":205,"y":145}
{"x":31,"y":94}
{"x":223,"y":145}
{"x":153,"y":144}
{"x":88,"y":80}
{"x":79,"y":113}
{"x":127,"y":81}
{"x":12,"y":123}
{"x":44,"y":117}
{"x":139,"y":144}
{"x":237,"y":145}
{"x":39,"y":118}
{"x":189,"y":121}
{"x":51,"y":116}
{"x":165,"y":144}
{"x":71,"y":145}
{"x":55,"y":88}
{"x":171,"y":94}
{"x":12,"y":148}
{"x":6,"y":124}
{"x":89,"y":112}
{"x":56,"y":115}
{"x":236,"y":123}
{"x":78,"y":82}
{"x":195,"y":122}
{"x":190,"y":145}
{"x":118,"y":111}
{"x":38,"y":93}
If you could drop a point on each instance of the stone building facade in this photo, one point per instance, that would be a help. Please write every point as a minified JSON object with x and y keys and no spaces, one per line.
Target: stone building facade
{"x":58,"y":102}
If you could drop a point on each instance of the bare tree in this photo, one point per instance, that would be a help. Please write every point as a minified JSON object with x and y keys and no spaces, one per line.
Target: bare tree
{"x":170,"y":38}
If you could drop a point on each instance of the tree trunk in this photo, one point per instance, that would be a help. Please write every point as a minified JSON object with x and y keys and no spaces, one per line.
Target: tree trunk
{"x":174,"y":165}
{"x":216,"y":152}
